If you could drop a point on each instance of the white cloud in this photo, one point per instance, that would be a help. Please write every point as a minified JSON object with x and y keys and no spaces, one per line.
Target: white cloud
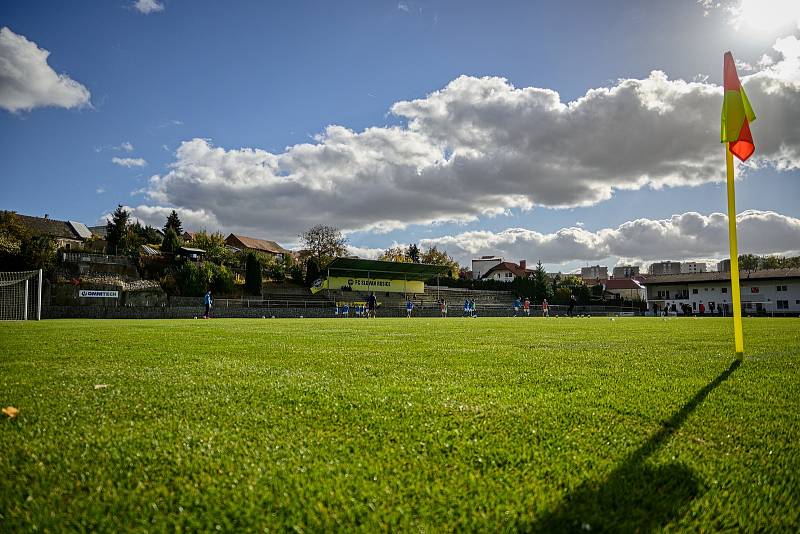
{"x":480,"y":147}
{"x":126,"y":146}
{"x":156,"y":216}
{"x":148,"y":6}
{"x":129,"y":162}
{"x":27,"y":81}
{"x":684,"y":236}
{"x":100,"y":190}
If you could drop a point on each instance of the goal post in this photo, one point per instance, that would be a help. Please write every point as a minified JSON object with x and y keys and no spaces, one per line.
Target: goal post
{"x":21,"y":295}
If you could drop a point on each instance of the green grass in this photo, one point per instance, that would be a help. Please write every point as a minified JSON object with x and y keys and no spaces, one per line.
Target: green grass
{"x":636,"y":424}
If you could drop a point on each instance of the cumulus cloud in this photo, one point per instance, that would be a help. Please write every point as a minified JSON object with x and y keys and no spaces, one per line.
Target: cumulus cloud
{"x":481,"y":147}
{"x":128,"y":162}
{"x":193,"y":220}
{"x":27,"y":81}
{"x":127,"y":146}
{"x":148,"y":6}
{"x":681,"y":237}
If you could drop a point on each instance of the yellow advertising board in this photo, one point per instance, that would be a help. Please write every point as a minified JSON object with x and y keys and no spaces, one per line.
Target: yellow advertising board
{"x":369,"y":284}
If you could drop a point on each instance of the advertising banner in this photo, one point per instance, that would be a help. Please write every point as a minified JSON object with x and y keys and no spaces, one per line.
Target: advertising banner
{"x":369,"y":284}
{"x":96,"y":293}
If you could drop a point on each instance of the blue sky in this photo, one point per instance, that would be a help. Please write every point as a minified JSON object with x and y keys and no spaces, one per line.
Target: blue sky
{"x":271,"y":75}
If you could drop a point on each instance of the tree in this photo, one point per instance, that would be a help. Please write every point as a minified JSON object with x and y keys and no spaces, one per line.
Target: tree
{"x":171,"y":241}
{"x":174,"y":222}
{"x":412,"y":253}
{"x":541,"y":283}
{"x":39,"y":252}
{"x":748,"y":262}
{"x":252,"y":277}
{"x":435,"y":256}
{"x":117,"y":230}
{"x":214,"y":245}
{"x":13,"y":233}
{"x":147,"y":234}
{"x":395,"y":254}
{"x":323,"y":243}
{"x":312,"y":272}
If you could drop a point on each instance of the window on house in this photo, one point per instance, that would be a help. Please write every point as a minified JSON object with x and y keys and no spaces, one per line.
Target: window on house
{"x":754,"y":290}
{"x":748,"y":305}
{"x":783,"y":304}
{"x":781,"y":288}
{"x":694,"y":291}
{"x":724,"y":289}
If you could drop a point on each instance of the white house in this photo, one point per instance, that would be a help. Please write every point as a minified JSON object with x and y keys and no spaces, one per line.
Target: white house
{"x":480,"y":266}
{"x":508,"y":272}
{"x":768,"y":291}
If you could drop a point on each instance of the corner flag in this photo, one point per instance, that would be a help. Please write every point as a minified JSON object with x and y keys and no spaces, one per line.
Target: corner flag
{"x":735,"y":131}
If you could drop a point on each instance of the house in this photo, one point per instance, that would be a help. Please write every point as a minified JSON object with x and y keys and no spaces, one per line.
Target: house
{"x":480,"y":266}
{"x":625,"y":288}
{"x":67,"y":234}
{"x":188,"y":237}
{"x":252,"y":244}
{"x":508,"y":272}
{"x":194,"y":254}
{"x":772,"y":291}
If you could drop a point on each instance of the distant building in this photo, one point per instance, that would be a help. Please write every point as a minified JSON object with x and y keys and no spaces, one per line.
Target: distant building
{"x":480,"y":266}
{"x":508,"y":272}
{"x":188,"y":237}
{"x":724,"y":266}
{"x":693,"y":267}
{"x":256,"y":245}
{"x":665,"y":267}
{"x":772,"y":291}
{"x":595,"y":272}
{"x":625,"y":288}
{"x":625,"y":271}
{"x":67,"y":234}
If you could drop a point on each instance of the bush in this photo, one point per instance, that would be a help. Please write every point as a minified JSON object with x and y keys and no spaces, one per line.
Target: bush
{"x":223,"y":280}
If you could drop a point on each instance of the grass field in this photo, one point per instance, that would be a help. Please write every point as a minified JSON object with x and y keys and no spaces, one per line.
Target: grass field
{"x":636,"y":424}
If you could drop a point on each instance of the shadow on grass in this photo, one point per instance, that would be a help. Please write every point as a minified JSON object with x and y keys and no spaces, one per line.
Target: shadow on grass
{"x":635,"y":497}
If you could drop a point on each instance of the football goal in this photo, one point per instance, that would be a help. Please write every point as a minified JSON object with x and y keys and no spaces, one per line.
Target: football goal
{"x":21,"y":295}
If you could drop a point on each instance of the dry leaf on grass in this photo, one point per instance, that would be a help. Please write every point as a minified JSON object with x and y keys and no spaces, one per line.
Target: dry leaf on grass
{"x":100,"y":386}
{"x":10,"y":411}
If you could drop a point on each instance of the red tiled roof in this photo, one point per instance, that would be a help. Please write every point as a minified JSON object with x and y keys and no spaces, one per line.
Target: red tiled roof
{"x":515,"y":269}
{"x":253,"y":243}
{"x":622,"y":283}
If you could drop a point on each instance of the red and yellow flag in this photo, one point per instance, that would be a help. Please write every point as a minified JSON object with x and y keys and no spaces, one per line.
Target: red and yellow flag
{"x":736,"y":114}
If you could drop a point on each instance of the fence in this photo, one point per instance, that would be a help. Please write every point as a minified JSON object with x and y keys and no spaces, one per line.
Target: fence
{"x":80,"y":257}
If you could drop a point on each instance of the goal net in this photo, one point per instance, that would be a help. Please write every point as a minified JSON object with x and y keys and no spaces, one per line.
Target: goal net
{"x":20,"y":295}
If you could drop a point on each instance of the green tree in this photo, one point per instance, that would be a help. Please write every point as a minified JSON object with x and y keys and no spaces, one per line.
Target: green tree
{"x":541,"y":283}
{"x":39,"y":252}
{"x":748,"y":262}
{"x":312,"y":271}
{"x":171,"y":241}
{"x":214,"y":245}
{"x":252,"y":277}
{"x":434,"y":256}
{"x":12,"y":234}
{"x":117,"y":230}
{"x":323,"y":243}
{"x":412,"y":253}
{"x":174,"y":222}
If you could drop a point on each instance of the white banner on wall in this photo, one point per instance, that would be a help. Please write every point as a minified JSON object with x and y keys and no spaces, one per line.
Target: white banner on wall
{"x":94,"y":293}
